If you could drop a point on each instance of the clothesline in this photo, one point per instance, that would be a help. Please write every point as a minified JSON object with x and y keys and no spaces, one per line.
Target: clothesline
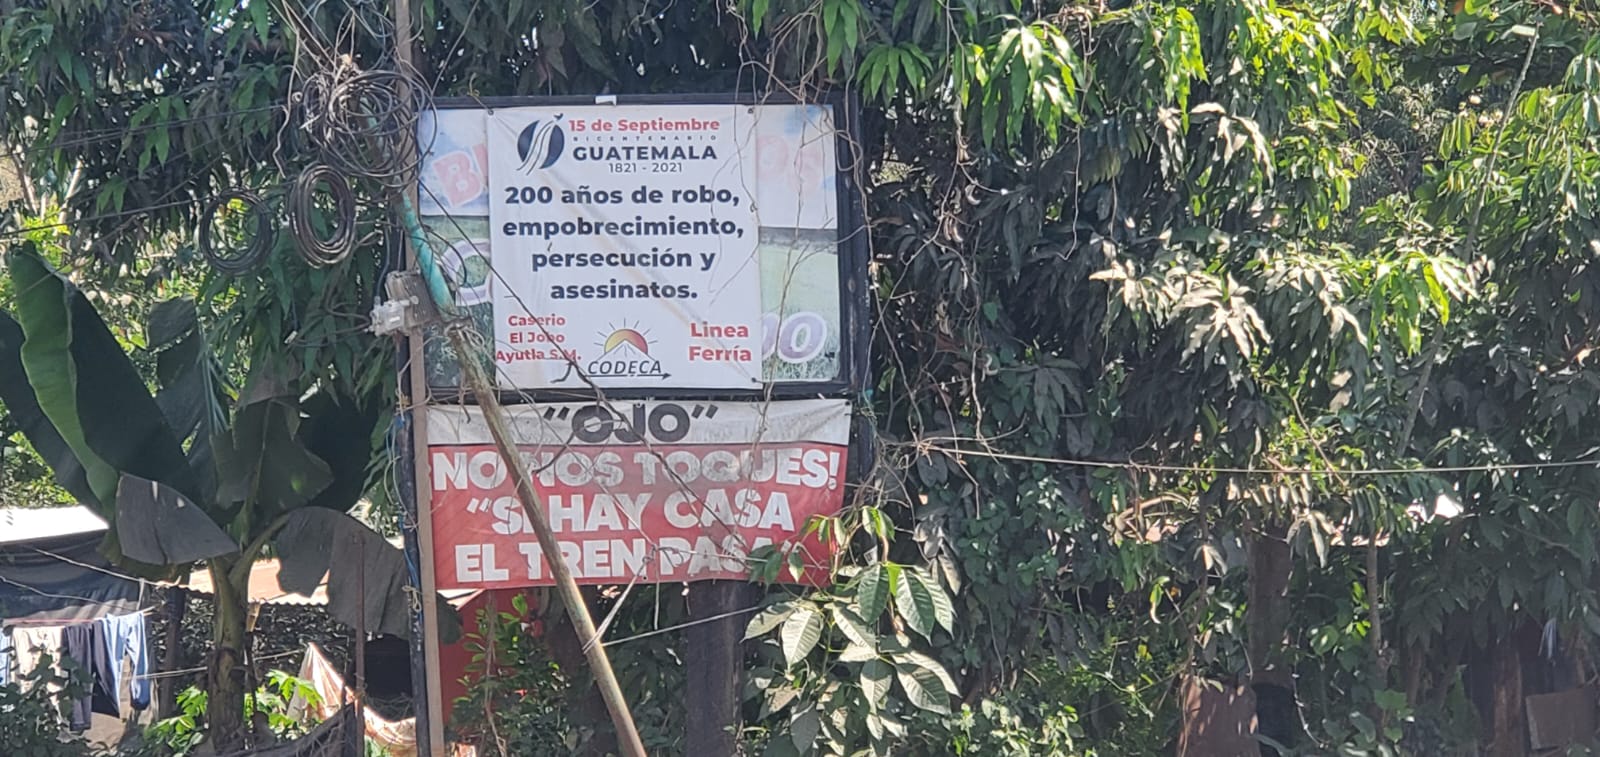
{"x":202,"y":669}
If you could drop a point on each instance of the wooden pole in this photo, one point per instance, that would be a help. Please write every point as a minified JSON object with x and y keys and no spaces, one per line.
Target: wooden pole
{"x":712,"y":665}
{"x":433,"y":706}
{"x":432,"y":711}
{"x":533,"y":507}
{"x":483,"y":391}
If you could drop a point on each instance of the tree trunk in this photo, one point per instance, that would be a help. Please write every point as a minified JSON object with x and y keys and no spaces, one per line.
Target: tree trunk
{"x":1497,"y":683}
{"x":1266,"y":621}
{"x":587,"y":707}
{"x":225,"y":674}
{"x":713,"y":656}
{"x":1506,"y":714}
{"x":167,"y":688}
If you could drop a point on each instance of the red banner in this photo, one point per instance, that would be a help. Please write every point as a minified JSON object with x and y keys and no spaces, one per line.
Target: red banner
{"x":648,"y":491}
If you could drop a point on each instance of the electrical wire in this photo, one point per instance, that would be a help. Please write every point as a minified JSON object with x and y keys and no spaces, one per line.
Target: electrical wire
{"x":355,"y":117}
{"x":11,"y":233}
{"x":680,"y":626}
{"x":86,"y":137}
{"x":1137,"y":466}
{"x":319,"y":250}
{"x":256,"y":246}
{"x":87,"y":566}
{"x":190,"y":671}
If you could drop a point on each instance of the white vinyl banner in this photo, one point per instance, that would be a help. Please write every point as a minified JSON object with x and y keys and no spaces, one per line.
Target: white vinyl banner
{"x":627,"y":241}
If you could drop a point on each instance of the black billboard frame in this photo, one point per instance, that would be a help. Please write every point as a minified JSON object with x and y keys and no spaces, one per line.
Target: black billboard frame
{"x":854,"y":247}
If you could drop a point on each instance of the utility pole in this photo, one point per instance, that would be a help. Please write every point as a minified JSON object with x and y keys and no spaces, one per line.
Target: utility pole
{"x":471,"y":358}
{"x":430,"y":713}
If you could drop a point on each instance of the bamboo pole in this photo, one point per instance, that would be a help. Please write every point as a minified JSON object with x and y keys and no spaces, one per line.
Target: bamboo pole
{"x":533,"y":508}
{"x":532,"y":504}
{"x":493,"y":415}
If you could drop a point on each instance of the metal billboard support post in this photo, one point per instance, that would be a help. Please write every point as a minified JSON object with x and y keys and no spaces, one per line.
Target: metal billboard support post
{"x":432,"y":709}
{"x":406,"y":478}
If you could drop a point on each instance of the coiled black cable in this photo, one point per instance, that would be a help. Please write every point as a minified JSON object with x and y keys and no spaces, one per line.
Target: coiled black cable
{"x":357,"y":118}
{"x":336,"y":245}
{"x":256,"y":246}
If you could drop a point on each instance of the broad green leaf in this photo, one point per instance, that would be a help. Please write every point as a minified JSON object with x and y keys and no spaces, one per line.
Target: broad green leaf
{"x":171,"y":320}
{"x":768,"y":619}
{"x":875,"y":682}
{"x":264,"y":467}
{"x":162,"y":141}
{"x":797,"y":564}
{"x":758,"y":15}
{"x":875,"y":725}
{"x":88,"y":388}
{"x":189,"y":397}
{"x":943,"y":611}
{"x":22,"y":408}
{"x":857,"y":653}
{"x":872,"y":592}
{"x":923,"y":689}
{"x":800,"y":633}
{"x":853,"y":626}
{"x":366,"y":575}
{"x":158,"y":525}
{"x":804,"y":729}
{"x":931,"y":666}
{"x":1437,"y":293}
{"x":342,"y":432}
{"x":779,"y":698}
{"x":915,"y":603}
{"x":260,"y":20}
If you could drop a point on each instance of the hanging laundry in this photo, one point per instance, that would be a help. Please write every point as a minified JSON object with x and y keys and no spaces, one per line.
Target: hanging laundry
{"x":125,"y":637}
{"x":399,"y":737}
{"x":5,"y":657}
{"x":83,"y":645}
{"x":31,"y":644}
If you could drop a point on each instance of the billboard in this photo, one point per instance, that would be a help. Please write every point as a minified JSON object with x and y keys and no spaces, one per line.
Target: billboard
{"x":656,"y":248}
{"x":636,"y":490}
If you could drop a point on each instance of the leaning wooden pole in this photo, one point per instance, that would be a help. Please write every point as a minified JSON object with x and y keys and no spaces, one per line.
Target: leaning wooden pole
{"x":471,"y":357}
{"x":533,"y":508}
{"x":483,"y":391}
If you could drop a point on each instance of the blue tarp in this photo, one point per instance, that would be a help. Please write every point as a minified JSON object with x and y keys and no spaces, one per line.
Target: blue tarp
{"x":62,"y":580}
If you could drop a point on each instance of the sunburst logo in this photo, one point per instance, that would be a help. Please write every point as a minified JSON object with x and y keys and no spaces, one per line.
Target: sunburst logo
{"x":625,"y":353}
{"x":620,"y":337}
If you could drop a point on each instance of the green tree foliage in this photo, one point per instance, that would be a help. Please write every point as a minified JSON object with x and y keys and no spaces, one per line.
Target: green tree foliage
{"x":1181,"y":307}
{"x":35,"y":712}
{"x":197,"y":470}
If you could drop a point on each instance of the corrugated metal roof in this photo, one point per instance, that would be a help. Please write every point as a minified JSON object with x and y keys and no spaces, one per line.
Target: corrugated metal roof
{"x":19,"y":524}
{"x":263,"y":586}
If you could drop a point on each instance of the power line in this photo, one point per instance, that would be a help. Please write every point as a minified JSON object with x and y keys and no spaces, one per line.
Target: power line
{"x":87,"y":566}
{"x":90,"y":219}
{"x":92,"y":136}
{"x":680,"y":626}
{"x":188,"y":671}
{"x":1137,"y":466}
